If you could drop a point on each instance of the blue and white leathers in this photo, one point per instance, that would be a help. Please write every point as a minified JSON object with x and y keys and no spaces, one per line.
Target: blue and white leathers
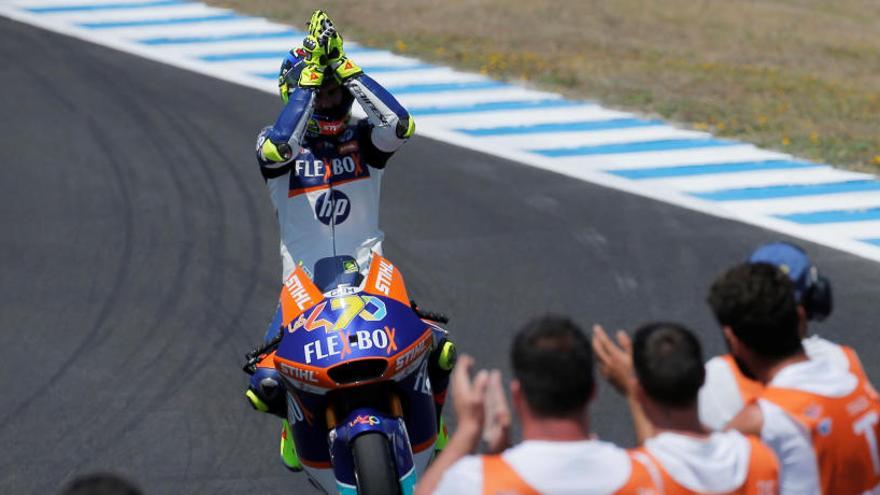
{"x":327,"y":193}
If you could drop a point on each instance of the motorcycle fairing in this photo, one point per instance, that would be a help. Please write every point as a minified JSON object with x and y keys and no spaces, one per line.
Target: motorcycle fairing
{"x":298,"y":294}
{"x":384,"y":279}
{"x":348,"y":329}
{"x":377,"y":325}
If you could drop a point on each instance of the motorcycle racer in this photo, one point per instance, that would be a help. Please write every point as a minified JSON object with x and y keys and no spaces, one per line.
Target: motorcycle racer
{"x":324,"y":177}
{"x":324,"y":173}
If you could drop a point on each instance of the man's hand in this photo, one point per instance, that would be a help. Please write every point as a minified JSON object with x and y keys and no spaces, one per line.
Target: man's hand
{"x":615,"y":363}
{"x":469,"y":398}
{"x":496,"y":425}
{"x":312,"y":75}
{"x":322,"y":29}
{"x":325,"y":35}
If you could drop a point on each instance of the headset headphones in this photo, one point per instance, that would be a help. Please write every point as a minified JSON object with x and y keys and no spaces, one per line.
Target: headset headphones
{"x":813,"y":288}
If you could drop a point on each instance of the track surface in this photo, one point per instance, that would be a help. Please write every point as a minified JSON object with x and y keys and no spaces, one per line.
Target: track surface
{"x":140,"y":261}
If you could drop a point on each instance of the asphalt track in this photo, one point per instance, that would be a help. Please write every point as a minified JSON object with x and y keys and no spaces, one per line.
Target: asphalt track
{"x":140,"y":261}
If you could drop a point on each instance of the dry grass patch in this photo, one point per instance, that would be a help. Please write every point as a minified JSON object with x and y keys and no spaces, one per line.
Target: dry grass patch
{"x":802,"y":76}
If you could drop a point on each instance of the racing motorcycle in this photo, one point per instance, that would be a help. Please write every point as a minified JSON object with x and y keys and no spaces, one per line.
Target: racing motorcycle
{"x":353,"y":355}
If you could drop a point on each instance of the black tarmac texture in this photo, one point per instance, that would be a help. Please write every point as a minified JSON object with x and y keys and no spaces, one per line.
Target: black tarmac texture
{"x":140,"y":262}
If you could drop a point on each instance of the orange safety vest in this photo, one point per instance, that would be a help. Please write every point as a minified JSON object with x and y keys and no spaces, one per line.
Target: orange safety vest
{"x":762,"y":478}
{"x":750,"y":389}
{"x":845,"y":433}
{"x":499,"y":478}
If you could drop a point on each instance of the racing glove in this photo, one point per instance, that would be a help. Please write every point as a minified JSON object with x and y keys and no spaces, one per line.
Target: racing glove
{"x":321,"y":27}
{"x":312,"y":75}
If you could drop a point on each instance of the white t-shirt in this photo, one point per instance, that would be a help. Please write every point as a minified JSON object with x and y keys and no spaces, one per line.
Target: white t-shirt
{"x":720,"y":399}
{"x":791,"y":441}
{"x":588,"y":467}
{"x":717,"y":464}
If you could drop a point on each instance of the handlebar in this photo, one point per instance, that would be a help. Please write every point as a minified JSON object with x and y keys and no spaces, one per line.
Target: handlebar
{"x":428,"y":315}
{"x":253,"y":357}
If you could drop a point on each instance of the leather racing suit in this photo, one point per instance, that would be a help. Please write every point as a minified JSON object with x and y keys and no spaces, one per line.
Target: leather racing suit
{"x":327,"y":194}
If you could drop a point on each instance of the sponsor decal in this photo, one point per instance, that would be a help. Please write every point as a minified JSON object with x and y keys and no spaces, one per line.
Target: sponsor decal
{"x":383,"y":278}
{"x":330,"y":127}
{"x":341,"y":343}
{"x":411,"y":355}
{"x":855,"y":407}
{"x":297,"y":291}
{"x":368,"y":104}
{"x":332,"y":207}
{"x":813,"y":411}
{"x":343,"y":291}
{"x":824,"y":427}
{"x":367,"y":308}
{"x":308,"y":168}
{"x":296,"y":412}
{"x":364,"y":419}
{"x":298,"y":374}
{"x":310,"y":173}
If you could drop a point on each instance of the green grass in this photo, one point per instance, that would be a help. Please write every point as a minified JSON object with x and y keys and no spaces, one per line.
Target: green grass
{"x":801,"y":76}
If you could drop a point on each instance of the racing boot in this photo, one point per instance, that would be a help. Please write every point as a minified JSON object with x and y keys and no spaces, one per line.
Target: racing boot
{"x":440,"y":364}
{"x":266,"y":394}
{"x":288,"y":448}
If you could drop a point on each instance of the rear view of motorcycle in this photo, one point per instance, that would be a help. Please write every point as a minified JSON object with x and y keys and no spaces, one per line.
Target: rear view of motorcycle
{"x":353,"y":355}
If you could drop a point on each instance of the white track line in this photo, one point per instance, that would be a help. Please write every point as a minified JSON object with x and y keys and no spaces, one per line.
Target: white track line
{"x":807,"y":204}
{"x":674,"y":158}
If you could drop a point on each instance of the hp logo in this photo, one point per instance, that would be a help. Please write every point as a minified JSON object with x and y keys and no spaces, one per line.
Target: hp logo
{"x":332,"y":205}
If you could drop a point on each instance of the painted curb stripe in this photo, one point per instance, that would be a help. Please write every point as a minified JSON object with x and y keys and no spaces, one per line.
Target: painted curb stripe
{"x":790,"y":191}
{"x":225,"y":57}
{"x":833,"y":216}
{"x":493,"y":106}
{"x":710,"y":168}
{"x":440,"y":87}
{"x":103,"y":6}
{"x":635,"y":147}
{"x":590,"y":125}
{"x":163,"y":22}
{"x":374,"y":69}
{"x":220,"y":39}
{"x":271,"y":55}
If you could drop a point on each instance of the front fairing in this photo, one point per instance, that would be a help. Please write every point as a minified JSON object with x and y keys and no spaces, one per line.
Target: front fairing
{"x":348,"y":329}
{"x":343,"y":330}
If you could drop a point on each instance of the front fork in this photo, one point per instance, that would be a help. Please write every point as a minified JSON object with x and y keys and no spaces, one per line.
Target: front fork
{"x":364,"y":420}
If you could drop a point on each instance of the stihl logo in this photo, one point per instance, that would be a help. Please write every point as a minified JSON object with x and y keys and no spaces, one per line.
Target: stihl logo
{"x":297,"y":291}
{"x":383,"y":278}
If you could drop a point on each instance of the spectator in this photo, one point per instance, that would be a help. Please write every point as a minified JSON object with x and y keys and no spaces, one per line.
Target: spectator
{"x":727,"y":389}
{"x":820,"y":419}
{"x":551,"y":392}
{"x":669,"y":371}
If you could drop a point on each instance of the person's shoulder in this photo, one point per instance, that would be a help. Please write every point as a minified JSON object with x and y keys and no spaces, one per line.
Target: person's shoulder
{"x":583,"y":467}
{"x":818,"y":348}
{"x":750,"y":420}
{"x":463,"y":477}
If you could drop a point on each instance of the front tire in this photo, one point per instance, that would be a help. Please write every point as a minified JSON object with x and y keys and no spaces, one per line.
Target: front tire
{"x":374,"y":467}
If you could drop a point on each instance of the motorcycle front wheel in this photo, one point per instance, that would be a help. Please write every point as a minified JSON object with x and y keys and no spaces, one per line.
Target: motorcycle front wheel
{"x":374,"y":467}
